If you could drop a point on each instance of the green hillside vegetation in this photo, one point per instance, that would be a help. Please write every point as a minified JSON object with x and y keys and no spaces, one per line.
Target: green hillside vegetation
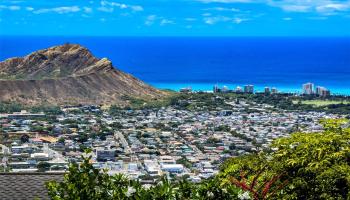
{"x":211,"y":101}
{"x":10,"y":107}
{"x":319,"y":103}
{"x":303,"y":166}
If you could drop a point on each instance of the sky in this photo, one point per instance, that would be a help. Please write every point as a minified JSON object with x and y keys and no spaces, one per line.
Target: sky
{"x":175,"y":17}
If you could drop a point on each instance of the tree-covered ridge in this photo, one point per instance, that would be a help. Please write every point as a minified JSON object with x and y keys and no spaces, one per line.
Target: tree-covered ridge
{"x":303,"y":166}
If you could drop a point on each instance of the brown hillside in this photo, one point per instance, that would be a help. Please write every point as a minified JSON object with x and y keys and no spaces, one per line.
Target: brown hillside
{"x":68,"y":74}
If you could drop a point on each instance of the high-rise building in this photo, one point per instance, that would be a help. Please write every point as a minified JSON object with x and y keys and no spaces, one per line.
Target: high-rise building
{"x":239,"y":89}
{"x":225,"y":89}
{"x":308,"y":88}
{"x":326,"y":93}
{"x":274,"y":91}
{"x":267,"y":90}
{"x":319,"y":90}
{"x":249,"y":89}
{"x":216,"y":89}
{"x":322,"y":91}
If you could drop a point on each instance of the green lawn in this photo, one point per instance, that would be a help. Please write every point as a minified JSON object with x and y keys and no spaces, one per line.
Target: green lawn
{"x":319,"y":103}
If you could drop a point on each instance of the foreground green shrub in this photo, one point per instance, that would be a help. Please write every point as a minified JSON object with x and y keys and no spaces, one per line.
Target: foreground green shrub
{"x":316,"y":164}
{"x":83,"y":182}
{"x":308,"y":165}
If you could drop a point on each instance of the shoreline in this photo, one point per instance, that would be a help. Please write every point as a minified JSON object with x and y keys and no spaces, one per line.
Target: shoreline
{"x":205,"y":87}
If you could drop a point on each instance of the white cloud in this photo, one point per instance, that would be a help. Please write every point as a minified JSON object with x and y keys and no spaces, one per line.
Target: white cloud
{"x":318,"y":6}
{"x":29,"y":8}
{"x":166,"y":21}
{"x":108,"y":6}
{"x":296,"y":8}
{"x":226,"y":1}
{"x":333,"y":7}
{"x":223,"y":9}
{"x":154,"y":19}
{"x":238,"y":20}
{"x":105,"y":9}
{"x":12,"y":8}
{"x":137,"y":8}
{"x":59,"y":10}
{"x":150,"y":20}
{"x":210,"y":20}
{"x":16,"y":2}
{"x":87,"y":10}
{"x":217,"y":19}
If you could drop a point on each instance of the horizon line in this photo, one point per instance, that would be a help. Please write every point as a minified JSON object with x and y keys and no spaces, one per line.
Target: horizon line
{"x":183,"y":36}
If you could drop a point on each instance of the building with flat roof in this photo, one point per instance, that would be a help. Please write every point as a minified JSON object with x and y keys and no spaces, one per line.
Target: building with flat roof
{"x":322,"y":91}
{"x":216,"y":89}
{"x":274,"y":90}
{"x":249,"y":89}
{"x":225,"y":89}
{"x":25,"y":115}
{"x":267,"y":90}
{"x":172,"y":168}
{"x":238,"y":89}
{"x":308,"y":88}
{"x":186,"y":90}
{"x":105,"y":154}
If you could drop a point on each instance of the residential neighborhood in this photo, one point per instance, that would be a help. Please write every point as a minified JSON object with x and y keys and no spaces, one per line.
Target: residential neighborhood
{"x":145,"y":144}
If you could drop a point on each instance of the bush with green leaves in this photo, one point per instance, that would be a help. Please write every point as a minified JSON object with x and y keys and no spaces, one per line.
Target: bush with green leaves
{"x":84,"y":182}
{"x":317,"y":164}
{"x":308,"y":166}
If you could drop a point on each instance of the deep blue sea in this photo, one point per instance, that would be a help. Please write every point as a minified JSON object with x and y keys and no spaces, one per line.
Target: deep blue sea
{"x":201,"y":62}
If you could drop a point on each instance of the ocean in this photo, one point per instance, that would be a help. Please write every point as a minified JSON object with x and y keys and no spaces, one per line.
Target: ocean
{"x":200,"y":62}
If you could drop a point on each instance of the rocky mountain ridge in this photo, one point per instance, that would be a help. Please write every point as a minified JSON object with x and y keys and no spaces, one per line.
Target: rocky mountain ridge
{"x":68,"y":74}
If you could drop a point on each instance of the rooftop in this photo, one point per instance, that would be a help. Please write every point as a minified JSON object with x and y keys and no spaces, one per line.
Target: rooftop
{"x":26,"y":186}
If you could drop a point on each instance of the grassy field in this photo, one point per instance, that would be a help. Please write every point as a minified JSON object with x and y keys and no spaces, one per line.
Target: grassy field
{"x":319,"y":103}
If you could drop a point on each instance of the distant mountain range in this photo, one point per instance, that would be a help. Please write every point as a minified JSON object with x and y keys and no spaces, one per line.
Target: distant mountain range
{"x":68,"y":74}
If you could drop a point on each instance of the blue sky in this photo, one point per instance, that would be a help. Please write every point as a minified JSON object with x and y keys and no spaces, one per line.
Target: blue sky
{"x":175,"y":17}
